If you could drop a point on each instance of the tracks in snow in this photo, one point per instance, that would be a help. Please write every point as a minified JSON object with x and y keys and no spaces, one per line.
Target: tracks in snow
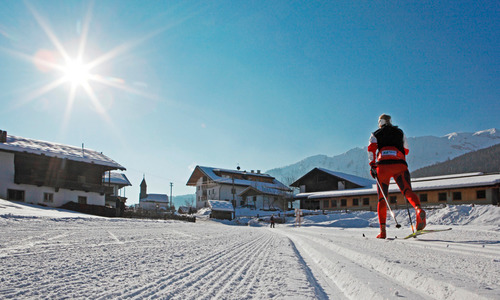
{"x":202,"y":273}
{"x":100,"y":259}
{"x":360,"y":268}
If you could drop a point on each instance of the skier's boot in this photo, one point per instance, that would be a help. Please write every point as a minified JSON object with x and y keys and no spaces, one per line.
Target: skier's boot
{"x":420,"y":218}
{"x":382,"y":234}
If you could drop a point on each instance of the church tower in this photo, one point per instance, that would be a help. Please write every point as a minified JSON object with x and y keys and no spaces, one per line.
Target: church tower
{"x":144,"y":188}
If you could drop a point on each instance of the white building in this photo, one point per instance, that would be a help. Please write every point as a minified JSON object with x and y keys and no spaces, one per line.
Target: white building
{"x":52,"y":174}
{"x":241,"y":188}
{"x":152,"y":201}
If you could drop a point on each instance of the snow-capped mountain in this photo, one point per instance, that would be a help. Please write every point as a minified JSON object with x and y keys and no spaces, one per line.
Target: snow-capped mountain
{"x":424,"y":151}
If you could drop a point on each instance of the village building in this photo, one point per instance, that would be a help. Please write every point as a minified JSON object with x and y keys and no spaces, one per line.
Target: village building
{"x":156,"y":202}
{"x":468,"y":188}
{"x":320,"y":180}
{"x":118,"y":181}
{"x":220,"y":209}
{"x":243,"y":189}
{"x":52,"y":174}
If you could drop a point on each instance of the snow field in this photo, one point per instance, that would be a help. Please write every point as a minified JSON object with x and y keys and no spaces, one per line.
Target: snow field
{"x":415,"y":269}
{"x":127,"y":259}
{"x":57,"y":254}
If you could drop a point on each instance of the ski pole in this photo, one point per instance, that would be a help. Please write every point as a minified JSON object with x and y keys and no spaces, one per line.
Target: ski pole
{"x":387,"y":202}
{"x":409,"y":216}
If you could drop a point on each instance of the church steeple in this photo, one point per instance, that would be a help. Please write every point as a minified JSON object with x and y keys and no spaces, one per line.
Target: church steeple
{"x":144,"y":188}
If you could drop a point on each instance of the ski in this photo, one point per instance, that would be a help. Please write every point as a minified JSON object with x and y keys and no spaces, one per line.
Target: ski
{"x":420,"y":232}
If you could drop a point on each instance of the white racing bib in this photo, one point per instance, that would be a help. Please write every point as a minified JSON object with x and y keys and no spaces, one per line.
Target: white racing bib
{"x":389,"y":153}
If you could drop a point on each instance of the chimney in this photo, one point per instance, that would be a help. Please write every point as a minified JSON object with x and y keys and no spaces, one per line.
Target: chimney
{"x":3,"y":136}
{"x":251,"y":171}
{"x":258,"y":171}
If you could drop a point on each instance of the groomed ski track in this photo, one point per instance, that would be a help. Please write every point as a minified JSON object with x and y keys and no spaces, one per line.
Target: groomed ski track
{"x":424,"y":268}
{"x":135,"y":259}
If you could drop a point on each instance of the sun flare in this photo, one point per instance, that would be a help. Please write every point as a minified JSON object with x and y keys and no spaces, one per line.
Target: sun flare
{"x":76,"y":72}
{"x":83,"y":77}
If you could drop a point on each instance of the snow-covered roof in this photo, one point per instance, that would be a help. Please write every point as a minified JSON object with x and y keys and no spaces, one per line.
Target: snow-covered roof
{"x":274,"y":184}
{"x":155,"y":198}
{"x":20,"y":144}
{"x":116,"y":178}
{"x":457,"y":182}
{"x":220,"y":205}
{"x":446,"y":176}
{"x":418,"y":184}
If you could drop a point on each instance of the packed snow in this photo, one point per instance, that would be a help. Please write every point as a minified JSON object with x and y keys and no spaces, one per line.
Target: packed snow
{"x":57,"y":254}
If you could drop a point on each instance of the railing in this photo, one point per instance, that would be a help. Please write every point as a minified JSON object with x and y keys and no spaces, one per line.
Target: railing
{"x":64,"y":184}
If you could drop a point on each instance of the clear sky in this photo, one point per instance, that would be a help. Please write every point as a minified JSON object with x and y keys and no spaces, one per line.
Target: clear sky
{"x":163,"y":86}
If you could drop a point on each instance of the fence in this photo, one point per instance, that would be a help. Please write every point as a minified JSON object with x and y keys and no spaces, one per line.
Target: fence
{"x":147,"y":214}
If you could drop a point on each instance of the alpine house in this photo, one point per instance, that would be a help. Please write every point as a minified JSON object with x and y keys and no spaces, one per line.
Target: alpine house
{"x":52,"y":174}
{"x":241,"y":188}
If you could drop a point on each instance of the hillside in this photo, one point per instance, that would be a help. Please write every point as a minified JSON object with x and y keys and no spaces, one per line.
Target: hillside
{"x":424,"y":151}
{"x":484,"y":160}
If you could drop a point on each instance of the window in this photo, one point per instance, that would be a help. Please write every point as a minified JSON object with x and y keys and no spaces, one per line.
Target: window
{"x":442,"y":197}
{"x":355,"y":202}
{"x":334,"y":203}
{"x":393,"y":199}
{"x":366,"y":201}
{"x":423,"y":197}
{"x":82,"y":200}
{"x":343,"y":202}
{"x":481,"y":194}
{"x":326,"y":203}
{"x":15,"y":195}
{"x":457,"y":195}
{"x":48,"y":197}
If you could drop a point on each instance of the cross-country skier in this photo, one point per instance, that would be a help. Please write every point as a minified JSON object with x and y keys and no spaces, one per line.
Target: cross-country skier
{"x":387,"y":155}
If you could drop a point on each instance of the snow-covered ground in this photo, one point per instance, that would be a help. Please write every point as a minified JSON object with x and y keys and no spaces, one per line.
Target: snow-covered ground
{"x":56,"y":254}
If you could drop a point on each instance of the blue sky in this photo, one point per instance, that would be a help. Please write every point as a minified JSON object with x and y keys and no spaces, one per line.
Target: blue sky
{"x":262,"y":84}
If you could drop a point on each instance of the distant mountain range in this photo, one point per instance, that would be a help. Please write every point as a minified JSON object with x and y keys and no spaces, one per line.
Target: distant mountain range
{"x":485,"y":160}
{"x":424,"y":151}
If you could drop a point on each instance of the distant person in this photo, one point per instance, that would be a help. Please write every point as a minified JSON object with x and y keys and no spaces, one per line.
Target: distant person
{"x":272,"y":221}
{"x":387,"y":155}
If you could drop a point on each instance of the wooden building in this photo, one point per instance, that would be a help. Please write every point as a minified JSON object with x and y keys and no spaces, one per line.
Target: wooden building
{"x":52,"y":174}
{"x":320,"y":180}
{"x":478,"y":188}
{"x":222,"y":210}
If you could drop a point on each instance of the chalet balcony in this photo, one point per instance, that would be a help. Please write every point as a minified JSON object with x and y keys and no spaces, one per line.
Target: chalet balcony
{"x":64,"y":184}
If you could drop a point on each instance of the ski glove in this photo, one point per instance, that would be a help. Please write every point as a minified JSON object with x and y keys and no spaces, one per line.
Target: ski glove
{"x":373,"y":170}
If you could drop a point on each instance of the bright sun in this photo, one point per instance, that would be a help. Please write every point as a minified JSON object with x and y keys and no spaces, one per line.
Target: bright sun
{"x":73,"y":70}
{"x":76,"y":72}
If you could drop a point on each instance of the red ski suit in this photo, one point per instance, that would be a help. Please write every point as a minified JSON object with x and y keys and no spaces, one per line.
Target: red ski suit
{"x":387,"y":152}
